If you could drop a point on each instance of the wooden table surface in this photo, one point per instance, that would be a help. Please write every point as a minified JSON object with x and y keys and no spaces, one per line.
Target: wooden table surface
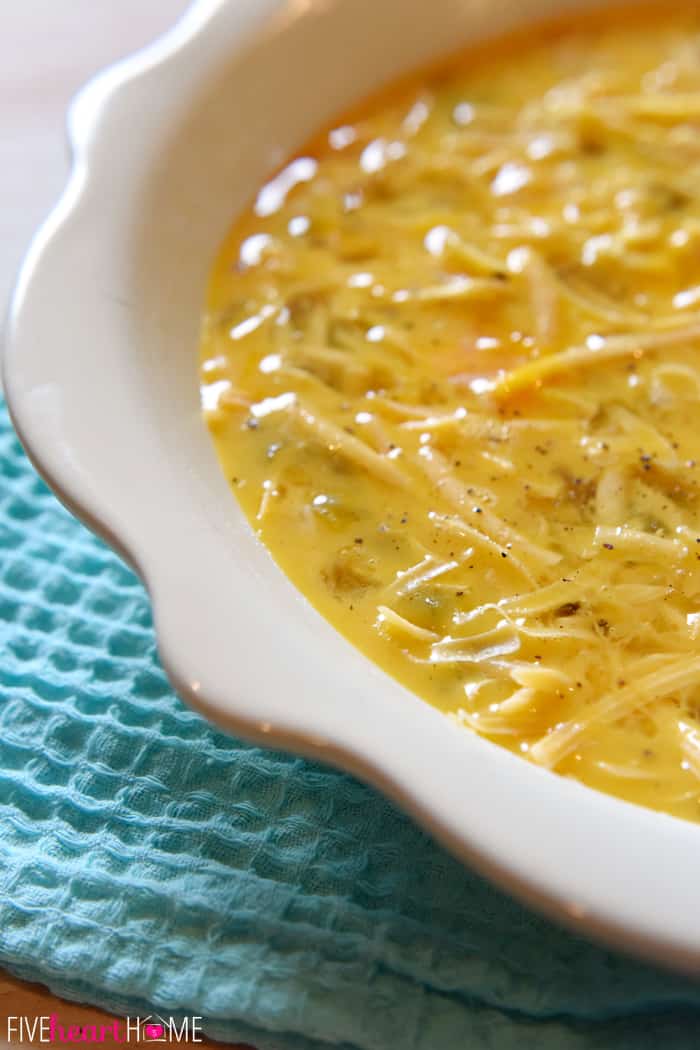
{"x":48,"y":49}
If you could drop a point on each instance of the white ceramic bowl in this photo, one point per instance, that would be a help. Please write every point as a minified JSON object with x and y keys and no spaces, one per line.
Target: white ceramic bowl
{"x":100,"y":372}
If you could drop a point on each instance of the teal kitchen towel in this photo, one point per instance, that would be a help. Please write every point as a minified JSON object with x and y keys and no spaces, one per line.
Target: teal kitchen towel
{"x":151,"y":864}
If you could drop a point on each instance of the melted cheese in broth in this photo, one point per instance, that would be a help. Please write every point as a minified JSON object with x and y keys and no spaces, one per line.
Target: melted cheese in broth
{"x":451,"y":365}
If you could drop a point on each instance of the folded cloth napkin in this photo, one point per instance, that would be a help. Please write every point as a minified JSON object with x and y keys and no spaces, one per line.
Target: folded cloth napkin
{"x":151,"y":864}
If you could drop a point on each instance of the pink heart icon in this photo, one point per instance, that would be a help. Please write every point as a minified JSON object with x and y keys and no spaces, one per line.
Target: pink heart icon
{"x":153,"y":1031}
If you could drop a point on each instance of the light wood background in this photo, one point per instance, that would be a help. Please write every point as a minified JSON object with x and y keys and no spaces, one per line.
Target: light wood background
{"x":48,"y":49}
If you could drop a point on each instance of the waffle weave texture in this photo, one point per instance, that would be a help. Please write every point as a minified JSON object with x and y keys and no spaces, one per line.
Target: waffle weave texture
{"x":151,"y":864}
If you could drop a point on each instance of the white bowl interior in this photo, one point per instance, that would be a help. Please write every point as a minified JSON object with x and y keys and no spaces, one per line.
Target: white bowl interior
{"x":101,"y":373}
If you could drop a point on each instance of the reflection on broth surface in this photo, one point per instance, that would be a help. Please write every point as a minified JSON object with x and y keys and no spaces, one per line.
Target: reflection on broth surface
{"x":450,"y":364}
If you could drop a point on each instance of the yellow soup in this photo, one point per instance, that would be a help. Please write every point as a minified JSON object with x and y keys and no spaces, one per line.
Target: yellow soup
{"x":451,"y":366}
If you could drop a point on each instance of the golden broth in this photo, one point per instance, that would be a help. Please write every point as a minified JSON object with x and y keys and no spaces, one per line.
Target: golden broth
{"x":450,"y":365}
